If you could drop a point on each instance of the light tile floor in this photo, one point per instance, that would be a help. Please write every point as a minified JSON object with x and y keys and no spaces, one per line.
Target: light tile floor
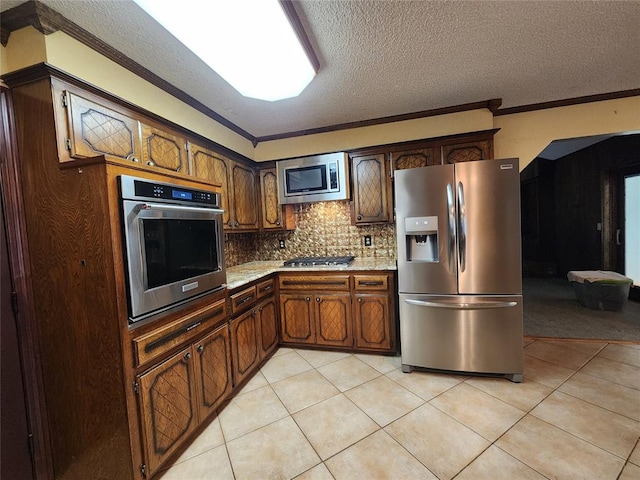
{"x":327,"y":415}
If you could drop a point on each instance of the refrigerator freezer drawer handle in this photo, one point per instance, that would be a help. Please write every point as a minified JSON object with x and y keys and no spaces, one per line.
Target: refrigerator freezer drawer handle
{"x":461,"y":306}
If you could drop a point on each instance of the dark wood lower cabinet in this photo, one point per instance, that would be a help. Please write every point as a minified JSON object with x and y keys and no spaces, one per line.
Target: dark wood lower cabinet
{"x":168,"y":410}
{"x":267,"y":313}
{"x":361,"y":316}
{"x":180,"y":393}
{"x":245,"y":345}
{"x":372,"y":325}
{"x":333,"y":319}
{"x":296,"y":318}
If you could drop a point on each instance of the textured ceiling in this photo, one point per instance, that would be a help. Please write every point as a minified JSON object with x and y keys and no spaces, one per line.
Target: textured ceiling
{"x":382,"y":58}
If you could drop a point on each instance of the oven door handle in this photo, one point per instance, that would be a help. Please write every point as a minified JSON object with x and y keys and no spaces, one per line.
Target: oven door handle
{"x":177,"y":208}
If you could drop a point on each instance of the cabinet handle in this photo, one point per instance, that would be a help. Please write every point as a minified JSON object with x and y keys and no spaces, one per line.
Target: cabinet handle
{"x":318,"y":299}
{"x":192,"y":326}
{"x":371,"y":283}
{"x":278,"y":222}
{"x":359,"y":300}
{"x":187,"y":356}
{"x":260,"y":309}
{"x":266,"y":288}
{"x":359,"y":217}
{"x":245,"y":299}
{"x":200,"y":348}
{"x":308,"y":299}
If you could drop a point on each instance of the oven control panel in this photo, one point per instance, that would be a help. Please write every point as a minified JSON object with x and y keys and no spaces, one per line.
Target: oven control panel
{"x":133,"y":188}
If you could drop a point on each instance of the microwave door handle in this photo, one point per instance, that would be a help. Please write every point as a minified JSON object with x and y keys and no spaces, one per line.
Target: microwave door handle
{"x":177,"y":208}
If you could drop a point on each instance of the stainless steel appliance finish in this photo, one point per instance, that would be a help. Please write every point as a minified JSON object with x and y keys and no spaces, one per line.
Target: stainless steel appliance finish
{"x":173,"y":244}
{"x":459,"y":267}
{"x":342,"y":261}
{"x":317,"y":178}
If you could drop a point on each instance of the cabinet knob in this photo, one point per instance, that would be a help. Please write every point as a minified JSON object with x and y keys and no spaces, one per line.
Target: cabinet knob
{"x":151,"y":163}
{"x":134,"y":159}
{"x":359,"y":300}
{"x":308,"y":299}
{"x":359,"y":217}
{"x":200,"y":348}
{"x":187,"y":355}
{"x":277,"y":222}
{"x":318,"y":299}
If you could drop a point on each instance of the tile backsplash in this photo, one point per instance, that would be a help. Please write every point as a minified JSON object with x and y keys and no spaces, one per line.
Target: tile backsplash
{"x":322,"y":229}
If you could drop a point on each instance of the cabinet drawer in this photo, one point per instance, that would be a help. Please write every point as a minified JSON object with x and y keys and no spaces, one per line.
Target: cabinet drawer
{"x":319,"y":282}
{"x":371,"y":282}
{"x":243,"y":299}
{"x":265,"y":288}
{"x":159,"y":341}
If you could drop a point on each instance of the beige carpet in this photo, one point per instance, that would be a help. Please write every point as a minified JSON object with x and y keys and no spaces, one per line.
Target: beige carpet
{"x":551,"y":310}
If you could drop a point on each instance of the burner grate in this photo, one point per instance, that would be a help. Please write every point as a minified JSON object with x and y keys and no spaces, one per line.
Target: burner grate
{"x":319,"y":261}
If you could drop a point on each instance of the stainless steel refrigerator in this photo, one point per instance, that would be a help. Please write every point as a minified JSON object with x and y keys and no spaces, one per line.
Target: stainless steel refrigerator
{"x":459,"y":267}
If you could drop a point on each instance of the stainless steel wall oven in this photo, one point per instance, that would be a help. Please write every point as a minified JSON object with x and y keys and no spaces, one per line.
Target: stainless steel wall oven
{"x":173,"y":242}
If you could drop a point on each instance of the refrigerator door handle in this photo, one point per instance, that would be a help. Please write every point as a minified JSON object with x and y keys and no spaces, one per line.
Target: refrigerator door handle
{"x":451,"y":219}
{"x":460,"y":305}
{"x":462,"y":228}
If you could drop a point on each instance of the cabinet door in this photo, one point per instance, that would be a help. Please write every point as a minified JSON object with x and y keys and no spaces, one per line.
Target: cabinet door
{"x":213,"y":370}
{"x":212,"y":166}
{"x":244,"y":346}
{"x":245,"y":198}
{"x":268,"y":322}
{"x":333,"y":319}
{"x":167,"y":410}
{"x":467,"y":152}
{"x":373,"y":322}
{"x":97,"y":130}
{"x":297,"y":318}
{"x":270,"y":204}
{"x":414,"y":159}
{"x":163,"y":149}
{"x":371,"y":198}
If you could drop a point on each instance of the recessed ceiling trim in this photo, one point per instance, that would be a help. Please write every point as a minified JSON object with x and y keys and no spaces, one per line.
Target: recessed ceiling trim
{"x":296,"y":24}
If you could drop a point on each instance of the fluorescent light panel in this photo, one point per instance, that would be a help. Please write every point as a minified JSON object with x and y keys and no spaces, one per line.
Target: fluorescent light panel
{"x":249,"y":43}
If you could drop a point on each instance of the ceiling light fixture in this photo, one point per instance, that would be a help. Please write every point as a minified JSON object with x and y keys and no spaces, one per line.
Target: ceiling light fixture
{"x":249,"y":43}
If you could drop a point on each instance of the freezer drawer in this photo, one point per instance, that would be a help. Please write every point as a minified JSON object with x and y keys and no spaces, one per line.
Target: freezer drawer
{"x":476,"y":334}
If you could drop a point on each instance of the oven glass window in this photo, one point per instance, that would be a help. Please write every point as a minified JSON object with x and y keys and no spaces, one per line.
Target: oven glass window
{"x":175,"y":250}
{"x":306,"y":179}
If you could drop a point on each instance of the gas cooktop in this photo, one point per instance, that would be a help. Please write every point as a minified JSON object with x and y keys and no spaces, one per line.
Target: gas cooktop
{"x":319,"y":261}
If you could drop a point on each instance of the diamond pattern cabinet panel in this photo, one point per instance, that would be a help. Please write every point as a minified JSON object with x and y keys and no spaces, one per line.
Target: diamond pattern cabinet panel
{"x":372,"y":321}
{"x":467,"y":152}
{"x":97,"y":130}
{"x":211,"y":166}
{"x":244,"y":346}
{"x":333,"y":320}
{"x":245,"y":197}
{"x":297,"y":318}
{"x":163,"y":149}
{"x":167,"y":411}
{"x":270,"y":205}
{"x":414,"y":159}
{"x":213,"y":370}
{"x":268,"y":321}
{"x":371,"y":198}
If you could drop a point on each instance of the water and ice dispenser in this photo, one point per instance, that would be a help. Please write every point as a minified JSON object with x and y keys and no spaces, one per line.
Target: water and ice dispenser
{"x":422,"y":238}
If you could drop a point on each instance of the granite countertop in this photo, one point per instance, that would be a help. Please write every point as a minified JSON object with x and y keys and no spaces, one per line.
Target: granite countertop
{"x":248,"y":272}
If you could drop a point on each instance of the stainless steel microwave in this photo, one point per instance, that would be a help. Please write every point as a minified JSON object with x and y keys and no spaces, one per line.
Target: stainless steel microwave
{"x":173,"y":243}
{"x":318,"y":178}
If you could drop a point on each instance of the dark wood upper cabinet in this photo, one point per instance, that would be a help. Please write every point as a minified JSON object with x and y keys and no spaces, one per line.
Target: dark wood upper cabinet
{"x":371,"y":190}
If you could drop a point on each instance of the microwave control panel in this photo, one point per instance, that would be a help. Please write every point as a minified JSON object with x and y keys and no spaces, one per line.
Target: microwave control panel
{"x":138,"y":189}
